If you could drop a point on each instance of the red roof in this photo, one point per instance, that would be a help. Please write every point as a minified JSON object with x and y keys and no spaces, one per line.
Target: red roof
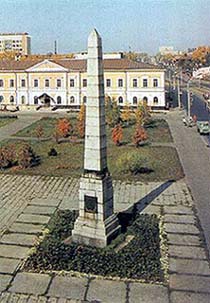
{"x":75,"y":64}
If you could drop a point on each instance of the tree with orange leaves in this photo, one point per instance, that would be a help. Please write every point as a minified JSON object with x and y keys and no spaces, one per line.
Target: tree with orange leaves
{"x":139,"y":136}
{"x":63,"y":127}
{"x":117,"y":134}
{"x":81,"y":121}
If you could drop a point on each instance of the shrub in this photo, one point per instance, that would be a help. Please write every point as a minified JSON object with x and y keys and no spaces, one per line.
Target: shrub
{"x":52,"y":152}
{"x":126,"y":114}
{"x":39,"y":131}
{"x":132,"y":162}
{"x":117,"y":134}
{"x":63,"y":127}
{"x":112,"y":113}
{"x":7,"y":156}
{"x":139,"y":136}
{"x":27,"y":157}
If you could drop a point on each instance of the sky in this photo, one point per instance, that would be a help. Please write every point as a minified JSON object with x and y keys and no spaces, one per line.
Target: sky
{"x":136,"y":25}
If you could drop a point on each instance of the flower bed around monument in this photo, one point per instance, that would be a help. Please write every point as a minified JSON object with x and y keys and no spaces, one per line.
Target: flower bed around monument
{"x":138,"y":259}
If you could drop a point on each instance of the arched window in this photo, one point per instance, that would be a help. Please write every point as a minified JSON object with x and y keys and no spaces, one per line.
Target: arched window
{"x":47,"y":82}
{"x":59,"y":100}
{"x":145,"y":99}
{"x":84,"y":99}
{"x":72,"y":99}
{"x":1,"y":98}
{"x":120,"y":100}
{"x":155,"y":100}
{"x":23,"y":99}
{"x":134,"y":82}
{"x":36,"y":100}
{"x":155,"y":82}
{"x":11,"y":99}
{"x":135,"y":100}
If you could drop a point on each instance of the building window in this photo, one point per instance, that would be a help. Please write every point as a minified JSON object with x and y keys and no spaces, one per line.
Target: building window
{"x":11,"y":99}
{"x":108,"y":82}
{"x":84,"y":99}
{"x":36,"y":100}
{"x":145,"y":83}
{"x":59,"y":100}
{"x":47,"y":83}
{"x":36,"y":83}
{"x":84,"y":82}
{"x":155,"y":100}
{"x":23,"y":99}
{"x":23,"y":82}
{"x":1,"y":83}
{"x":71,"y":82}
{"x":155,"y":82}
{"x":135,"y":100}
{"x":120,"y":82}
{"x":72,"y":99}
{"x":58,"y":82}
{"x":11,"y":83}
{"x":145,"y":99}
{"x":120,"y":100}
{"x":134,"y":82}
{"x":1,"y":99}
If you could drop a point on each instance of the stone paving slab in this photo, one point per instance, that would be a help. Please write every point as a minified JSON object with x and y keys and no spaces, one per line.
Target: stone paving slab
{"x":187,"y":252}
{"x":41,"y":210}
{"x":69,"y":203}
{"x":4,"y":281}
{"x":8,"y":265}
{"x":179,"y":219}
{"x":181,"y":228}
{"x":13,"y":251}
{"x":178,"y":239}
{"x":179,"y":210}
{"x":107,"y":291}
{"x":146,"y":293}
{"x":68,"y":287}
{"x":26,"y":228}
{"x":19,"y":239}
{"x":187,"y":297}
{"x":189,"y":266}
{"x":37,"y":219}
{"x":190,"y":283}
{"x":45,"y":202}
{"x":30,"y":283}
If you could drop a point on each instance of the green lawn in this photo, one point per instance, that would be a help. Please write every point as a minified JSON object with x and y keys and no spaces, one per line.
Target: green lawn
{"x":5,"y":121}
{"x":162,"y":161}
{"x":157,"y":130}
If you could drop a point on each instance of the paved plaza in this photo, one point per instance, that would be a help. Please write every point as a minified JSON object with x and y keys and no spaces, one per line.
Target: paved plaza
{"x":28,"y":202}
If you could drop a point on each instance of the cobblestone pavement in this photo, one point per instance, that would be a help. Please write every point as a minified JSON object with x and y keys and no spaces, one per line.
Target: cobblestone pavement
{"x":29,"y":201}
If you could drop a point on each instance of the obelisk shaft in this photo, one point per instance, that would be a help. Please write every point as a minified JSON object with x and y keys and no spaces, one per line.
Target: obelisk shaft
{"x":95,"y":126}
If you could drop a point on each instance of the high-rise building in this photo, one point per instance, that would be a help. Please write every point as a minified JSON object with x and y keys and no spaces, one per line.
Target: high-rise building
{"x":17,"y":42}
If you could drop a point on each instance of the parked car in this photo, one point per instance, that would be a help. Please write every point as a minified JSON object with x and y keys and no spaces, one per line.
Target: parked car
{"x":203,"y":127}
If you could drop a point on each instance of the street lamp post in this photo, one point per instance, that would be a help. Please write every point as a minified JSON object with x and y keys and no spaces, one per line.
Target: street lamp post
{"x":188,"y":100}
{"x":178,"y":92}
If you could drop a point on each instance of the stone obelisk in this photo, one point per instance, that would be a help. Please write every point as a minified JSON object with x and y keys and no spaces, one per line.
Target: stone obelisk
{"x":96,"y":224}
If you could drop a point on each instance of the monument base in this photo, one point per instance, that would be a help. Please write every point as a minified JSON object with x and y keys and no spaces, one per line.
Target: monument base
{"x":99,"y":234}
{"x":96,"y":225}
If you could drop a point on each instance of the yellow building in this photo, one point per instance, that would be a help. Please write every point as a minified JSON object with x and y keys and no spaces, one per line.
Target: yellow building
{"x":63,"y":82}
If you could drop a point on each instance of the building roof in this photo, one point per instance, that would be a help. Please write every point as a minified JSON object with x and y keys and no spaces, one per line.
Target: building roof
{"x":12,"y":34}
{"x":76,"y":65}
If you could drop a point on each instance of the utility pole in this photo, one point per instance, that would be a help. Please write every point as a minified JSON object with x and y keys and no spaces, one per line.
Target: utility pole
{"x":178,"y":91}
{"x":188,"y":100}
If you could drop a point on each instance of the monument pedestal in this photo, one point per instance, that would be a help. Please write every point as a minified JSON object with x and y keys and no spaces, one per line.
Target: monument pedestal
{"x":96,"y":224}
